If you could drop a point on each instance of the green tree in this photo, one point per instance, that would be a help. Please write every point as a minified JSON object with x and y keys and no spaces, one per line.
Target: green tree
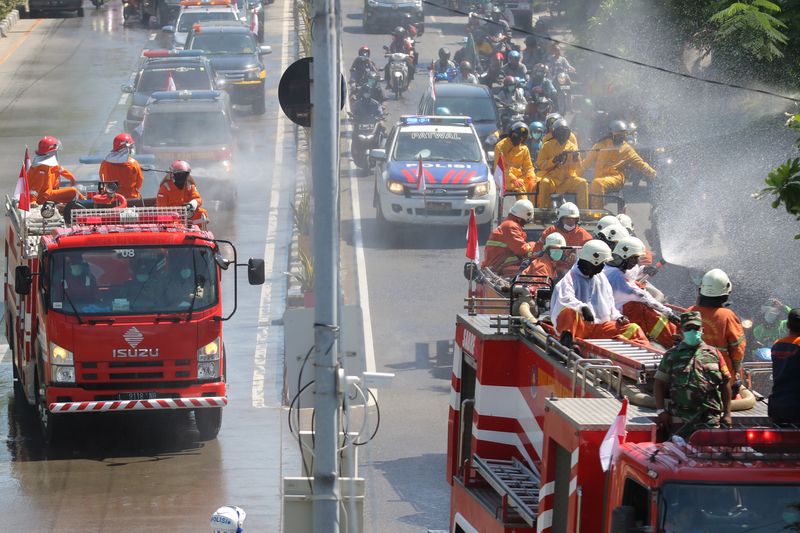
{"x":783,"y":183}
{"x":750,"y":26}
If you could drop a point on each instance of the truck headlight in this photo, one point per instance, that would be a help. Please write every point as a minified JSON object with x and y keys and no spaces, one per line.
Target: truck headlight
{"x":63,"y":374}
{"x":59,"y":355}
{"x":209,"y":352}
{"x":481,"y":189}
{"x":208,"y":370}
{"x":396,"y":187}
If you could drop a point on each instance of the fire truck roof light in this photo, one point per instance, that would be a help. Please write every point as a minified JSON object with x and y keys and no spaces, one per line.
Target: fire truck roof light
{"x":155,"y":53}
{"x":756,"y":437}
{"x":416,"y":120}
{"x":185,"y":95}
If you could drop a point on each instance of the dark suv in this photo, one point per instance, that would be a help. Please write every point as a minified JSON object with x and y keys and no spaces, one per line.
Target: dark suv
{"x":386,"y":14}
{"x":236,"y":58}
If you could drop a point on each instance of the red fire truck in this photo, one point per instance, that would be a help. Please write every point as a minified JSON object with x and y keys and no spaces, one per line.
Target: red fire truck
{"x":117,"y":310}
{"x":527,"y":417}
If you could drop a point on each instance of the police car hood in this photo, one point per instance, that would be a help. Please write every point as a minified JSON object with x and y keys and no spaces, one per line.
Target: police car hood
{"x":439,"y":172}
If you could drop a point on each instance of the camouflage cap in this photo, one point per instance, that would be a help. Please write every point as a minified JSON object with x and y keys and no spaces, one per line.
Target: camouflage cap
{"x":691,"y":318}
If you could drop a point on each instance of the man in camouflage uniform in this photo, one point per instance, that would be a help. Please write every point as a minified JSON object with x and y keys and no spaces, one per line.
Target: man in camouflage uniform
{"x":695,"y":379}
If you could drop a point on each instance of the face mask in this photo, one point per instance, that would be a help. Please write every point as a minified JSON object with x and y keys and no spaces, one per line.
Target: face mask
{"x":185,"y":273}
{"x":692,"y":338}
{"x":510,"y":89}
{"x":588,"y":269}
{"x":536,"y":135}
{"x":75,"y":270}
{"x":570,"y":227}
{"x":617,"y":140}
{"x":556,"y":255}
{"x":141,"y":278}
{"x":769,"y":317}
{"x":561,"y":136}
{"x":180,"y":179}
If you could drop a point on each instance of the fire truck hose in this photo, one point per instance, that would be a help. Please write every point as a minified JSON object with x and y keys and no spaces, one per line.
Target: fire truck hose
{"x":746,"y":400}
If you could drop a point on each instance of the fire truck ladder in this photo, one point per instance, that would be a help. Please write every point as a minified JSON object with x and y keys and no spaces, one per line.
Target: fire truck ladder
{"x":517,"y":485}
{"x":637,"y":362}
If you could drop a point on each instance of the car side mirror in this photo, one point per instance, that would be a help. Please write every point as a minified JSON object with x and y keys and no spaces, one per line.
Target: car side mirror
{"x":127,"y":89}
{"x":22,"y":279}
{"x":264,"y":49}
{"x":168,"y":29}
{"x":490,"y":156}
{"x":255,"y":271}
{"x":378,"y":153}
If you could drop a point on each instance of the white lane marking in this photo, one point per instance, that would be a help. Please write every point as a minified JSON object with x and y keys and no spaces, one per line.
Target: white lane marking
{"x":123,"y":99}
{"x":110,"y":126}
{"x":153,"y":36}
{"x":270,"y":335}
{"x":4,"y":352}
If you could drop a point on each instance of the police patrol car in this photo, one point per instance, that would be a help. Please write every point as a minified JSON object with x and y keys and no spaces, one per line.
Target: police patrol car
{"x":457,"y":177}
{"x":196,"y":11}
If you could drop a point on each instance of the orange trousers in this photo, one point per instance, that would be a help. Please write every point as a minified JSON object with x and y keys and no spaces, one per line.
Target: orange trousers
{"x":655,"y":325}
{"x":572,"y":321}
{"x":62,"y":195}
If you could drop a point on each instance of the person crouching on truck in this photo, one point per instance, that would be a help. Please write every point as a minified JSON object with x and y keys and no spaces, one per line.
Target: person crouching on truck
{"x":520,"y":176}
{"x":178,"y":189}
{"x":656,"y":319}
{"x":120,"y":166}
{"x":567,"y":226}
{"x":696,"y":380}
{"x":559,"y":165}
{"x":44,"y":176}
{"x":506,"y":247}
{"x":582,"y":305}
{"x":784,"y":402}
{"x":545,"y":262}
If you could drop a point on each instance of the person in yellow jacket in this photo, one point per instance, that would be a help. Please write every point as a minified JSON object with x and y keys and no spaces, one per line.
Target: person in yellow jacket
{"x":609,"y":157}
{"x":519,"y":173}
{"x":551,"y":119}
{"x":559,"y":164}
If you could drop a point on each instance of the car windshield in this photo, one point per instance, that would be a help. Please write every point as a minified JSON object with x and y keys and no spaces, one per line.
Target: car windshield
{"x":689,"y":508}
{"x":437,"y":146}
{"x":185,"y":129}
{"x":224,"y":43}
{"x":134,"y":280}
{"x":189,"y":18}
{"x":194,"y":79}
{"x":480,"y":109}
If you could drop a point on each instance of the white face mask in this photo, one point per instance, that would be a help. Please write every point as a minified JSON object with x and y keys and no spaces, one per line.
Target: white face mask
{"x":185,"y":273}
{"x":141,"y":278}
{"x":570,"y":227}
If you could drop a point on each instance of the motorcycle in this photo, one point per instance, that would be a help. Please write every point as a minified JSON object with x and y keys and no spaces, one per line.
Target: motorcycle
{"x":509,"y":114}
{"x":368,"y":133}
{"x":398,"y":72}
{"x":449,"y":76}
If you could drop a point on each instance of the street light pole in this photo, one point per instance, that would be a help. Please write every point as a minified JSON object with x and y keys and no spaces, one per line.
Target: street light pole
{"x":325,"y":87}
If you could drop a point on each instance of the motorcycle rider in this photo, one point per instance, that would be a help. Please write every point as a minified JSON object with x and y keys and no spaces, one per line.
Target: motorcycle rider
{"x":657,"y":320}
{"x":533,"y":53}
{"x":365,"y":107}
{"x":609,"y":157}
{"x":120,"y":166}
{"x":494,"y":72}
{"x":520,"y":176}
{"x":362,"y":67}
{"x":44,"y":176}
{"x":444,"y":64}
{"x":400,"y":44}
{"x":511,"y":95}
{"x":507,"y":246}
{"x":515,"y":68}
{"x":466,"y":74}
{"x":557,"y":62}
{"x":539,"y":78}
{"x":722,"y":329}
{"x":535,"y":141}
{"x":178,"y":189}
{"x":559,"y":165}
{"x":582,"y":305}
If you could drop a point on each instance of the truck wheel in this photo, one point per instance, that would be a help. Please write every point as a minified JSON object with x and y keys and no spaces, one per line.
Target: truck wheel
{"x":79,"y":12}
{"x":48,"y":422}
{"x":208,"y":422}
{"x":260,"y":106}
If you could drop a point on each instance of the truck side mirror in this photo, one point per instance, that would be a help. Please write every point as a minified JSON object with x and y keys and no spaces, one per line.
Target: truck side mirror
{"x":623,"y":519}
{"x":255,"y":271}
{"x":22,"y":280}
{"x":264,"y":49}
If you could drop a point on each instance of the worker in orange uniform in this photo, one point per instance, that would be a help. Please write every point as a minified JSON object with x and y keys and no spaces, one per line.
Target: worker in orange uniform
{"x":722,"y":329}
{"x":120,"y":166}
{"x":545,"y":262}
{"x":659,"y":322}
{"x":44,"y":176}
{"x":582,"y":305}
{"x":506,"y":247}
{"x":574,"y":235}
{"x":178,"y":189}
{"x":559,"y":164}
{"x":520,"y":176}
{"x":609,"y":157}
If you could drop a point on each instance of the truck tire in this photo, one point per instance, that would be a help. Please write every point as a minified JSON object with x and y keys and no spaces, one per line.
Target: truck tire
{"x":208,"y":422}
{"x":48,"y":422}
{"x":79,"y":12}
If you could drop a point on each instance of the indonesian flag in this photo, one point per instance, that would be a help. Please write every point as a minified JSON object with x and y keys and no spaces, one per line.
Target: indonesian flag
{"x":170,"y":82}
{"x":27,"y":160}
{"x":614,"y":438}
{"x":254,"y":22}
{"x":500,"y":175}
{"x":420,"y":177}
{"x":432,"y":78}
{"x":473,"y":252}
{"x":22,"y":191}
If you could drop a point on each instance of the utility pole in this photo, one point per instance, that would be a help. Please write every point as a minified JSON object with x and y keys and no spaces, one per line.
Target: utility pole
{"x":325,"y":88}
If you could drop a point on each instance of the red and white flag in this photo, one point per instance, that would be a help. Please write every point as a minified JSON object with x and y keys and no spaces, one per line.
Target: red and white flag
{"x":614,"y":437}
{"x":23,"y":191}
{"x":432,"y":78}
{"x":473,"y":252}
{"x":500,"y":175}
{"x":421,"y":177}
{"x":27,"y":160}
{"x":171,"y":82}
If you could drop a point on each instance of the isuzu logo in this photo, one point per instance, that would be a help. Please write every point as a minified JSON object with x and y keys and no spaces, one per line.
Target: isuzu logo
{"x":134,"y":338}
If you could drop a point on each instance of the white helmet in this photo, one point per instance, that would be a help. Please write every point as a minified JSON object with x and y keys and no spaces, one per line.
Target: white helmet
{"x":228,"y":519}
{"x":605,"y":222}
{"x":715,"y":283}
{"x":629,"y":247}
{"x":554,"y":240}
{"x":613,"y":233}
{"x":626,"y":222}
{"x":523,"y":209}
{"x":595,"y":252}
{"x":569,"y":210}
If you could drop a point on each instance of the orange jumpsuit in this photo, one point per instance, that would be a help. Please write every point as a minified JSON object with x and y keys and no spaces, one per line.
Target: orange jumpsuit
{"x":520,"y":176}
{"x":563,"y":177}
{"x":572,"y":321}
{"x":723,"y":330}
{"x":43,"y":181}
{"x":128,"y":175}
{"x":576,"y":237}
{"x":171,"y":196}
{"x":609,"y":161}
{"x":544,"y":267}
{"x":656,"y":326}
{"x":506,"y":248}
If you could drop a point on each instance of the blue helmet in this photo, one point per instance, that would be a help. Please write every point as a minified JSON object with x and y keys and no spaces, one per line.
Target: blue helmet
{"x":537,"y":130}
{"x":514,"y":54}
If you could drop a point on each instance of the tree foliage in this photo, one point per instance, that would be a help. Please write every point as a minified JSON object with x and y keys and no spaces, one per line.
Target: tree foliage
{"x":752,"y":26}
{"x":783,"y":183}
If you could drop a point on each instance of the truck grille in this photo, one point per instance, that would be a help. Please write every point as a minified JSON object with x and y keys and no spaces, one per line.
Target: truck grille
{"x":135,"y":374}
{"x":234,"y":75}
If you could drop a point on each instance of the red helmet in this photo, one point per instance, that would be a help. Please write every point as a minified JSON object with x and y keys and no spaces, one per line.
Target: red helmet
{"x":123,"y":140}
{"x":48,"y":145}
{"x":509,"y":80}
{"x":180,"y":166}
{"x":364,"y":51}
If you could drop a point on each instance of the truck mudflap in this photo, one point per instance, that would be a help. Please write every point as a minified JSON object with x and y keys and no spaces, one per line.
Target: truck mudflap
{"x":139,"y":405}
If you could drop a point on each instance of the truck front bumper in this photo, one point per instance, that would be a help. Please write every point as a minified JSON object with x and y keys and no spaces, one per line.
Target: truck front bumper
{"x":80,"y":400}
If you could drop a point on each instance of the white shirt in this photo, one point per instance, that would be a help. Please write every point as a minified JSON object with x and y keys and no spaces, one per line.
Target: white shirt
{"x":625,"y":290}
{"x":575,"y":290}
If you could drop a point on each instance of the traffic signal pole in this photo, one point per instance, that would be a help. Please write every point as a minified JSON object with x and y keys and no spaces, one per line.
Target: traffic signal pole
{"x":325,"y":87}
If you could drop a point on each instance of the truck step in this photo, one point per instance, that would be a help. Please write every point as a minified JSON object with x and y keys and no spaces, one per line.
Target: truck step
{"x":514,"y":480}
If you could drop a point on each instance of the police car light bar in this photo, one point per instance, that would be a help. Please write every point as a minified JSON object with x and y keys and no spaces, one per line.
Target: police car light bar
{"x":755,"y":437}
{"x":205,"y":2}
{"x":417,"y":120}
{"x":172,"y":53}
{"x":185,"y":95}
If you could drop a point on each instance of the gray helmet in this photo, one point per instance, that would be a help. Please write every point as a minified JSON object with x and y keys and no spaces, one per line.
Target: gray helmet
{"x":616,"y":127}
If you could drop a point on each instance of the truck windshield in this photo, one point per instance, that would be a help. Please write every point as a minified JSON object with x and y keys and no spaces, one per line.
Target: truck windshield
{"x":689,"y":508}
{"x":437,"y":146}
{"x":157,"y":79}
{"x":480,"y":109}
{"x":185,"y":129}
{"x":224,"y":43}
{"x":132,"y":281}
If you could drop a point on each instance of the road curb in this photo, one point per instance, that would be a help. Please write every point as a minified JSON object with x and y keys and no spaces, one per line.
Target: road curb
{"x":8,"y":22}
